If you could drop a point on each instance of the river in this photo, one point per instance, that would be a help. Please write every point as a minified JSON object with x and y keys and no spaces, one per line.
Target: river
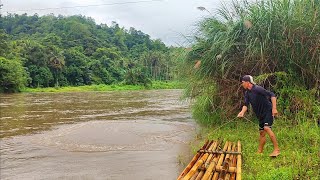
{"x":94,"y":135}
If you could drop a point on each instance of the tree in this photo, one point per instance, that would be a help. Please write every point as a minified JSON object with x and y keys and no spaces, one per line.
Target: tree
{"x":3,"y":43}
{"x":77,"y":51}
{"x":56,"y":62}
{"x":13,"y":77}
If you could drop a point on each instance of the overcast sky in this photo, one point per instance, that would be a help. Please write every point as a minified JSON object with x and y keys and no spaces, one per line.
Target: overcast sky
{"x":169,"y":20}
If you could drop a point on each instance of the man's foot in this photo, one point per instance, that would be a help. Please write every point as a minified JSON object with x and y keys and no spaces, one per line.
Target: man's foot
{"x":275,"y":153}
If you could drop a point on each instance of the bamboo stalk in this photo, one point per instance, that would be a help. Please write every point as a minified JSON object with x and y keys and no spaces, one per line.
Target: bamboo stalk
{"x":230,"y":169}
{"x":195,"y":167}
{"x":211,"y":155}
{"x":215,"y":176}
{"x":208,"y":165}
{"x":234,"y":164}
{"x":225,"y":165}
{"x":212,"y":166}
{"x":200,"y":175}
{"x":231,"y":160}
{"x":198,"y":164}
{"x":211,"y":174}
{"x":219,"y":152}
{"x":193,"y":161}
{"x":205,"y":165}
{"x":194,"y":176}
{"x":227,"y":177}
{"x":239,"y":162}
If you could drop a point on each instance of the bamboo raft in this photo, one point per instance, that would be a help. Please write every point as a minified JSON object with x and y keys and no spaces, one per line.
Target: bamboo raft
{"x":212,"y":162}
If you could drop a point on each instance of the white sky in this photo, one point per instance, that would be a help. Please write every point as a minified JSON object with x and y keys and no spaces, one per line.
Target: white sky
{"x":169,"y":20}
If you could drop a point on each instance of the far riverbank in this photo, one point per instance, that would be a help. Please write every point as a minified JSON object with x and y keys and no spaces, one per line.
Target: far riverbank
{"x":104,"y":87}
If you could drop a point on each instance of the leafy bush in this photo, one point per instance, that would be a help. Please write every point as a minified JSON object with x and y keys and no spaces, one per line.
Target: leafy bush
{"x":13,"y":77}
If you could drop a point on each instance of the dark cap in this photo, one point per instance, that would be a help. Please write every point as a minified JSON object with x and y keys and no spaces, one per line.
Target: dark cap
{"x":248,"y":78}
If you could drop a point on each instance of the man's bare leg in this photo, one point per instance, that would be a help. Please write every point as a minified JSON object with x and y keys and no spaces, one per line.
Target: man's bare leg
{"x":272,"y":136}
{"x":262,"y":141}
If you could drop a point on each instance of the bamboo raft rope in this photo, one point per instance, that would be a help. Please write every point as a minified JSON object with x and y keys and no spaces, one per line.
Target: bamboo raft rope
{"x":213,"y":163}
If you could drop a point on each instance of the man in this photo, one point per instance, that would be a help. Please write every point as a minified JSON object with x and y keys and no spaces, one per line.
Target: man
{"x":259,"y":98}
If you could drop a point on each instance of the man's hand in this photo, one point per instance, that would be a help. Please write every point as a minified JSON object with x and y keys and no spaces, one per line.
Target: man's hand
{"x":274,"y":112}
{"x":240,"y":115}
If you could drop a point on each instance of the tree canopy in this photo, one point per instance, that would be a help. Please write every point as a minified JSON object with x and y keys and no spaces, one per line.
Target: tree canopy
{"x":74,"y":50}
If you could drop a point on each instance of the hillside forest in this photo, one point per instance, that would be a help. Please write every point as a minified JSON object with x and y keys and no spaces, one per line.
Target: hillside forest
{"x":55,"y":51}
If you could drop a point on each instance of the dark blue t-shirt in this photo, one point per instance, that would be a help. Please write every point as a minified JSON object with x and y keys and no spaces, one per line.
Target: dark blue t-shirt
{"x":259,"y":98}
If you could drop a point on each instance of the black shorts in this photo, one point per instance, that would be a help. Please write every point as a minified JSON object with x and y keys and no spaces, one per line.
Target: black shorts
{"x":266,"y":120}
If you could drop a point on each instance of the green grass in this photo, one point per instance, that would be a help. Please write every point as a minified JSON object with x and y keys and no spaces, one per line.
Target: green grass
{"x":299,"y":144}
{"x":103,"y":87}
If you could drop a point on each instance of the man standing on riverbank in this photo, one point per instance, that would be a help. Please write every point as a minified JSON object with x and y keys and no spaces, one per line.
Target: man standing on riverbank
{"x":259,"y":98}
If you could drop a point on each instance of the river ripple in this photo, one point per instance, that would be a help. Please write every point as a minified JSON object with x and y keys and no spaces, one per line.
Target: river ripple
{"x":94,"y":135}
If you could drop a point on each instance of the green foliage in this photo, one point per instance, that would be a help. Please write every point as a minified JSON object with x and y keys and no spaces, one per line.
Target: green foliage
{"x":166,"y":85}
{"x":12,"y":75}
{"x":41,"y":77}
{"x":103,"y":87}
{"x":275,"y":41}
{"x":3,"y":43}
{"x":137,"y":76}
{"x":203,"y":113}
{"x":74,"y":50}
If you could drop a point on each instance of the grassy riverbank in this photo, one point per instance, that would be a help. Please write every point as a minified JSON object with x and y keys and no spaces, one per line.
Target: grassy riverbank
{"x":299,"y":158}
{"x":103,"y":87}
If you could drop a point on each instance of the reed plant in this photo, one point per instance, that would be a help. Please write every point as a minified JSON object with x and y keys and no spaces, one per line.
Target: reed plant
{"x":278,"y":42}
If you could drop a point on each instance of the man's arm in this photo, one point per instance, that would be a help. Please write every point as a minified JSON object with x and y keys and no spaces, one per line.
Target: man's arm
{"x":274,"y":106}
{"x":245,"y":106}
{"x":244,"y":110}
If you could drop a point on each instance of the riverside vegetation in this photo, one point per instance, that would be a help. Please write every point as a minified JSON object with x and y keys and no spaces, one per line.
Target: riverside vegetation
{"x":104,"y":87}
{"x":58,"y":51}
{"x":278,"y":42}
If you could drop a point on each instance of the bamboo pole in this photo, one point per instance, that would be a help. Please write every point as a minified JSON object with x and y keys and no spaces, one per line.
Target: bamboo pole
{"x":194,"y":176}
{"x":231,"y":160}
{"x":230,"y":170}
{"x":193,"y":161}
{"x":208,"y":145}
{"x":209,"y":172}
{"x":200,"y":175}
{"x":211,"y":155}
{"x":215,"y":176}
{"x":219,"y":152}
{"x":198,"y":164}
{"x":195,"y":167}
{"x":234,"y":163}
{"x":225,"y":164}
{"x":239,"y":162}
{"x":205,"y":165}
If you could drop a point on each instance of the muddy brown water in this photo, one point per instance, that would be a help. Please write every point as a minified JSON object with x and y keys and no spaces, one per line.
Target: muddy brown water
{"x":94,"y":135}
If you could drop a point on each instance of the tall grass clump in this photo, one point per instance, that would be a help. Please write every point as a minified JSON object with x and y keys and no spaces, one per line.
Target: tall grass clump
{"x":278,"y":42}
